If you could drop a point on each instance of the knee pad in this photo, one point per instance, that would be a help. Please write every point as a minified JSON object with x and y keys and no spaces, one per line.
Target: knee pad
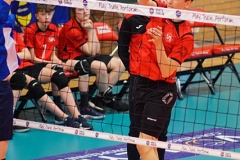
{"x":36,"y":90}
{"x":18,"y":81}
{"x":60,"y":79}
{"x":83,"y":67}
{"x":108,"y":95}
{"x":57,"y":68}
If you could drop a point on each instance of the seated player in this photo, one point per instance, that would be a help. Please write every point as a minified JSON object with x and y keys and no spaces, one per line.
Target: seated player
{"x":30,"y":75}
{"x":41,"y":39}
{"x":78,"y":41}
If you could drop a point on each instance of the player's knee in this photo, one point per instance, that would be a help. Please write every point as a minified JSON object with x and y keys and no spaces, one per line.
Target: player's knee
{"x":60,"y":79}
{"x":36,"y":90}
{"x":108,"y":95}
{"x":57,"y":68}
{"x":18,"y":81}
{"x":83,"y":67}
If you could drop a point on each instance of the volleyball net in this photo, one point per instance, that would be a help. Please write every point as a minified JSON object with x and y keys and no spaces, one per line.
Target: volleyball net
{"x":204,"y":119}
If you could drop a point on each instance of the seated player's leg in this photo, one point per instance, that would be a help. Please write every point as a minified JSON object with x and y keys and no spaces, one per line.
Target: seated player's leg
{"x":60,"y":80}
{"x":82,"y":66}
{"x":18,"y":81}
{"x":116,"y":68}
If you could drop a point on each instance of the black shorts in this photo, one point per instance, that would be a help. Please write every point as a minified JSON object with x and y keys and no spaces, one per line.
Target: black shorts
{"x":33,"y":71}
{"x":6,"y":111}
{"x":154,"y":101}
{"x":103,"y":58}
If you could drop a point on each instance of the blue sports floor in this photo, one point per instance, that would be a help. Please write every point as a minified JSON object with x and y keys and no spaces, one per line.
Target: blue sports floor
{"x":200,"y":114}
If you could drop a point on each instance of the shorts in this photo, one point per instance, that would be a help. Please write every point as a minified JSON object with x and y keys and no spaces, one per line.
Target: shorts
{"x":33,"y":71}
{"x":153,"y":105}
{"x":6,"y":111}
{"x":103,"y":58}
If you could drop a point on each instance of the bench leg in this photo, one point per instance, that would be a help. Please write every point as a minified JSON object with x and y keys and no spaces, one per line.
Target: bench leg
{"x":208,"y":81}
{"x":40,"y":110}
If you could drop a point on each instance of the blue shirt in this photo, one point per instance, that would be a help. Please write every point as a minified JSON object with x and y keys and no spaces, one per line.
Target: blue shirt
{"x":8,"y":57}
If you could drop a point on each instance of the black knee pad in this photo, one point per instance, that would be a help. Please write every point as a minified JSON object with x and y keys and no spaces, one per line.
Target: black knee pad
{"x":108,"y":95}
{"x":57,"y":68}
{"x":60,"y":79}
{"x":18,"y":81}
{"x":83,"y":67}
{"x":36,"y":90}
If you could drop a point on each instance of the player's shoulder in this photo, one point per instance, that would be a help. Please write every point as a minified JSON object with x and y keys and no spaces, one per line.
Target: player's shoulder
{"x":52,"y":27}
{"x":32,"y":27}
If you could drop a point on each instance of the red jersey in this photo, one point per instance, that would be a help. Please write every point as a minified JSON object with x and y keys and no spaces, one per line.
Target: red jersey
{"x":71,"y":37}
{"x":18,"y":37}
{"x":43,"y":42}
{"x":178,"y":43}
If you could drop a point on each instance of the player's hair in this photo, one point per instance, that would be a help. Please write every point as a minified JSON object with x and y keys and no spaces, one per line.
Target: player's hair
{"x":44,"y":7}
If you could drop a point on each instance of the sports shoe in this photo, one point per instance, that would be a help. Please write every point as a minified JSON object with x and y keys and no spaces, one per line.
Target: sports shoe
{"x":83,"y":123}
{"x":98,"y":104}
{"x":118,"y":105}
{"x":90,"y":113}
{"x":20,"y":129}
{"x":58,"y":120}
{"x":70,"y":122}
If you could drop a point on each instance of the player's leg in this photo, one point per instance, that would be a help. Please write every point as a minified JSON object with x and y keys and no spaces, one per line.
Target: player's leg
{"x":83,"y":66}
{"x":116,"y":68}
{"x":132,"y":151}
{"x":6,"y":117}
{"x":112,"y":72}
{"x":161,"y":97}
{"x":47,"y":75}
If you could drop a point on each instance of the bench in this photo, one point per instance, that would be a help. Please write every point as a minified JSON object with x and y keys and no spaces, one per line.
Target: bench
{"x":201,"y":54}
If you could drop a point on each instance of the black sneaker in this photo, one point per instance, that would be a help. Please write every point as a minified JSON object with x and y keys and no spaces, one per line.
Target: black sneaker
{"x":98,"y":104}
{"x":70,"y":122}
{"x":118,"y":105}
{"x":20,"y":129}
{"x":83,"y":123}
{"x":90,"y":113}
{"x":58,"y":120}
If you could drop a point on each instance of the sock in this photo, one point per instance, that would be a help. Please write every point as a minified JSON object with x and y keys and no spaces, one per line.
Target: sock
{"x":57,"y":101}
{"x":84,"y":100}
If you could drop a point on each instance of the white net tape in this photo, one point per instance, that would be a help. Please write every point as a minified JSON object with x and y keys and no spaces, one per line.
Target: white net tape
{"x":215,"y":18}
{"x":127,"y":139}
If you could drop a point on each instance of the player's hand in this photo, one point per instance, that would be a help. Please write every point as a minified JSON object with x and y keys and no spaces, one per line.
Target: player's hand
{"x":156,"y":34}
{"x":88,"y":25}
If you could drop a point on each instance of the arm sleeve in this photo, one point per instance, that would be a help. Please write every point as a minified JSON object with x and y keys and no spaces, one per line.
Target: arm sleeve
{"x":76,"y":37}
{"x":4,"y":8}
{"x":124,"y":41}
{"x":182,"y":49}
{"x":29,"y":37}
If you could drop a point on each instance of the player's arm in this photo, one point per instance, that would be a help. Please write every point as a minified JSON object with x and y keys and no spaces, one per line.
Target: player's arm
{"x":169,"y":64}
{"x":54,"y":57}
{"x":166,"y":64}
{"x":124,"y":41}
{"x":147,"y":2}
{"x":92,"y":46}
{"x":25,"y":54}
{"x":35,"y":59}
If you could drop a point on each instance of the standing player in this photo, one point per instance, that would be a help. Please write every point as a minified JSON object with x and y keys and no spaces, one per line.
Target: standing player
{"x":77,"y":41}
{"x":130,"y":35}
{"x":8,"y":63}
{"x":42,"y":38}
{"x":165,"y":45}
